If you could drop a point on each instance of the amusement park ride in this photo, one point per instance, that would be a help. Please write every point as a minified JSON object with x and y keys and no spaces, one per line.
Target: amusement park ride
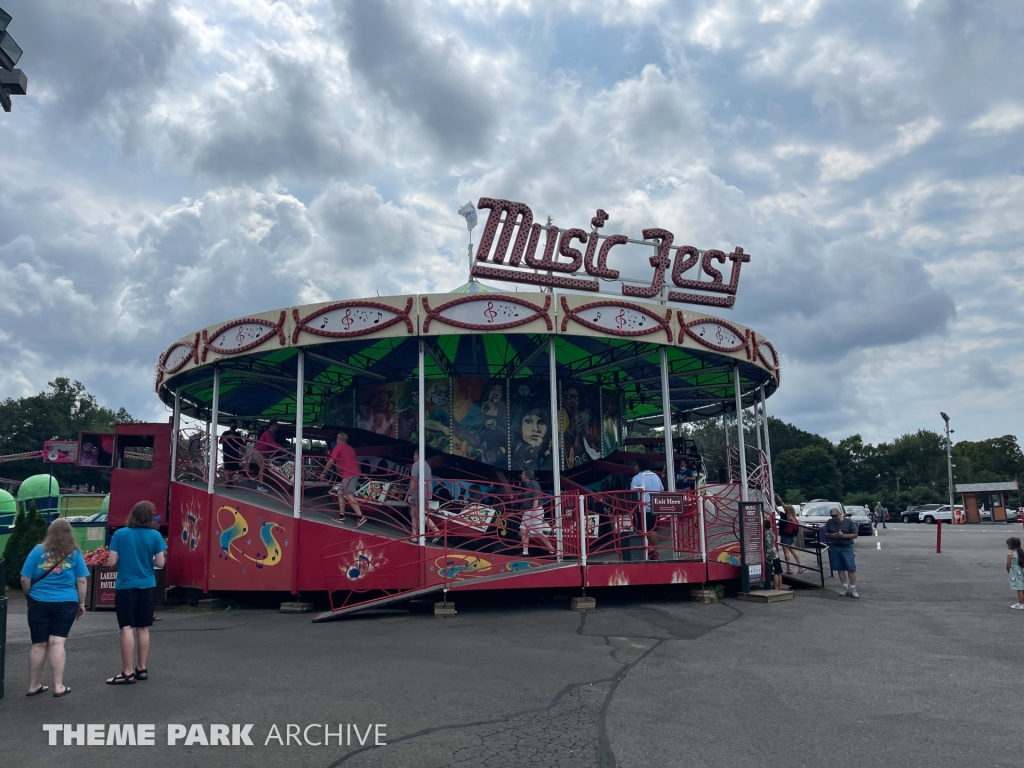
{"x":484,"y":384}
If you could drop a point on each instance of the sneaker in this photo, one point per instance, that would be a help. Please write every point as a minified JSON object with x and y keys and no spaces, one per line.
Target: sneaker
{"x":262,"y":489}
{"x":1018,"y":606}
{"x":846,"y":589}
{"x":853,"y":592}
{"x":654,"y":555}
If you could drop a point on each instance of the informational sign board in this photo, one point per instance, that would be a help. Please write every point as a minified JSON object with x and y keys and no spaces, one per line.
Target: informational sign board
{"x":104,"y":581}
{"x":752,"y":565}
{"x":667,"y":503}
{"x":60,"y":452}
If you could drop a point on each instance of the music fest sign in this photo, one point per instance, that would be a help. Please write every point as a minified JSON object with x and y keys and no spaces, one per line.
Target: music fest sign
{"x":560,"y":264}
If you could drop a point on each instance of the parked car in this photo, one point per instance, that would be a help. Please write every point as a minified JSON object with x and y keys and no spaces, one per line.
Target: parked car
{"x":918,"y":513}
{"x":910,"y":515}
{"x":815,"y":514}
{"x":862,"y":517}
{"x":942,"y":513}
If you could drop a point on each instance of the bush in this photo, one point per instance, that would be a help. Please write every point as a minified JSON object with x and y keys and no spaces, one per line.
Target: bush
{"x":29,"y":530}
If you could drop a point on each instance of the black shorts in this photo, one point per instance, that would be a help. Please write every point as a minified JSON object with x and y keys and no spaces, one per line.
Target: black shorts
{"x":777,"y":566}
{"x":233,"y":465}
{"x":50,"y":619}
{"x":651,"y":520}
{"x":134,"y":607}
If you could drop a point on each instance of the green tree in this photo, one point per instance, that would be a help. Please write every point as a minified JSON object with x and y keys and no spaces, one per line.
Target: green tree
{"x":60,"y":413}
{"x":13,"y":549}
{"x":810,"y":472}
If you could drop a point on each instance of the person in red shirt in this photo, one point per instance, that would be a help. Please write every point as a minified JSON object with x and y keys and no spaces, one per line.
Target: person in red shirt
{"x":346,"y":469}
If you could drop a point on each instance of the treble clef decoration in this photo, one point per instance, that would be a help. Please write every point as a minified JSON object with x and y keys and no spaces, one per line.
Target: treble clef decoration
{"x":720,"y":336}
{"x":240,"y":336}
{"x":347,"y":319}
{"x":620,"y":319}
{"x":489,"y":313}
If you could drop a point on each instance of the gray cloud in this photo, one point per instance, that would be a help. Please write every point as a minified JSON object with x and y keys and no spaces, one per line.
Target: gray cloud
{"x":424,"y":77}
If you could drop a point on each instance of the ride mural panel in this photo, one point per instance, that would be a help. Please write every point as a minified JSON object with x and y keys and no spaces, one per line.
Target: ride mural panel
{"x":375,"y":409}
{"x":188,"y":537}
{"x":611,"y":420}
{"x":251,"y":547}
{"x":530,"y":426}
{"x":579,"y":424}
{"x":480,"y":417}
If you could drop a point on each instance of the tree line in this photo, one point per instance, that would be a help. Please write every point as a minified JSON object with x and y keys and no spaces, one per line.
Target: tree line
{"x":908,"y":470}
{"x":59,"y":413}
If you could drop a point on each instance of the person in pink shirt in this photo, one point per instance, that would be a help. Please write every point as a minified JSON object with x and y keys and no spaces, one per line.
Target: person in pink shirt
{"x":346,"y":469}
{"x":268,"y":444}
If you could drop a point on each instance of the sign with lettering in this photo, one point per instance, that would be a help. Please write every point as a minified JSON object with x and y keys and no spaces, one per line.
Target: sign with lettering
{"x":667,"y":503}
{"x":561,"y":263}
{"x":104,"y":582}
{"x":751,"y":542}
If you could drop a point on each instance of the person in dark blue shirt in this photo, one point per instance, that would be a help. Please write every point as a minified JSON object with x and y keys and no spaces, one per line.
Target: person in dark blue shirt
{"x":53,"y":580}
{"x":135,"y":550}
{"x":686,"y":478}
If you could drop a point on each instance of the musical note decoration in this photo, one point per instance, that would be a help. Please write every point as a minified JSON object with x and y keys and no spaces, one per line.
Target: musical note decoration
{"x":487,"y":313}
{"x":243,"y":335}
{"x":619,"y":318}
{"x":346,"y":319}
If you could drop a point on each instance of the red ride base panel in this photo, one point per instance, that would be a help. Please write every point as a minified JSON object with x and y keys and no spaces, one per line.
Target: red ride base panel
{"x":220,"y":544}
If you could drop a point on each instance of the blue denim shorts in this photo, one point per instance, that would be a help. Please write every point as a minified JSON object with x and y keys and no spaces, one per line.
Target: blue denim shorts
{"x":841,"y":558}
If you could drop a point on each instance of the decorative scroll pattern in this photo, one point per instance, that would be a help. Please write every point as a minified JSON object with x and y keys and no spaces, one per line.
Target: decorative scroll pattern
{"x":487,"y":313}
{"x":175,"y":357}
{"x":619,"y":318}
{"x":346,"y":319}
{"x":243,"y":335}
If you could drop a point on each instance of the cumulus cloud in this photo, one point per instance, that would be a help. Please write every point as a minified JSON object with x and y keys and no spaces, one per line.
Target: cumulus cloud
{"x":181,"y":162}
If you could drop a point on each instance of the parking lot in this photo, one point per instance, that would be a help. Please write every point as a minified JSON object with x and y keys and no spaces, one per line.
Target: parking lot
{"x":919,"y":672}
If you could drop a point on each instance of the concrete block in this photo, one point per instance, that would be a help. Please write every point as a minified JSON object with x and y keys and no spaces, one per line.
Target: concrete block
{"x":444,"y":609}
{"x":704,"y":595}
{"x":766,"y":596}
{"x":296,"y":607}
{"x":583,"y":604}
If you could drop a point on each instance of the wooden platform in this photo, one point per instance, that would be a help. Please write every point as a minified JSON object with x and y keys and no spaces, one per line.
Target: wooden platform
{"x":767,"y":595}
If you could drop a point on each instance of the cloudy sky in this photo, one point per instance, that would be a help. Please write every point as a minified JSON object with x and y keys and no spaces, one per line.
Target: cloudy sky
{"x":181,"y":162}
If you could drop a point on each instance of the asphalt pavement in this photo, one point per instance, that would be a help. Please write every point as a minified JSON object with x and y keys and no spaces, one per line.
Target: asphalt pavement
{"x":921,"y":671}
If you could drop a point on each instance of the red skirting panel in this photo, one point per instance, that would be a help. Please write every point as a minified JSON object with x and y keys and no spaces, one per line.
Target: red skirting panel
{"x":188,"y":538}
{"x":627,"y":574}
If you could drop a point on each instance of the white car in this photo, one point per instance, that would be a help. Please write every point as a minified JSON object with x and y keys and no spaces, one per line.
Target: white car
{"x":942,"y":513}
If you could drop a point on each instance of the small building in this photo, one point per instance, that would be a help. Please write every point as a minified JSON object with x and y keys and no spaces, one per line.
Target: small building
{"x":979,"y":498}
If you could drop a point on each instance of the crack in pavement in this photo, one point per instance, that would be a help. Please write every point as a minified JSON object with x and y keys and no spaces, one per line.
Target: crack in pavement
{"x":570,"y":731}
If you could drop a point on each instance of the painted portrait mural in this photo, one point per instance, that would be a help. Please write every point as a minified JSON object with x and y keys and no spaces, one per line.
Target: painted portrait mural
{"x":579,"y":424}
{"x":375,"y":409}
{"x":530,"y":425}
{"x":480,"y":415}
{"x":611,"y":421}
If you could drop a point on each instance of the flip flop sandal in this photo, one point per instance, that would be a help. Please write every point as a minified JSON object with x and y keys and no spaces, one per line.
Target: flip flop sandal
{"x":121,"y":679}
{"x":141,"y":674}
{"x":65,"y":692}
{"x":40,"y":689}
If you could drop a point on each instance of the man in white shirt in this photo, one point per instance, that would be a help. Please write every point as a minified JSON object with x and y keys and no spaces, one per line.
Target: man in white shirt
{"x":646,"y":481}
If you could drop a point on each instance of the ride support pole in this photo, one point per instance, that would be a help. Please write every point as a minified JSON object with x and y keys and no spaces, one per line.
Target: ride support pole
{"x":938,"y":537}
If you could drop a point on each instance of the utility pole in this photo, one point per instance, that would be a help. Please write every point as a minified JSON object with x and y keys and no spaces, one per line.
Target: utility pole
{"x":949,"y":471}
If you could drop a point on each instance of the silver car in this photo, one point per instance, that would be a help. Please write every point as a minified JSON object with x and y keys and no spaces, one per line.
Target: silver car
{"x":862,"y":517}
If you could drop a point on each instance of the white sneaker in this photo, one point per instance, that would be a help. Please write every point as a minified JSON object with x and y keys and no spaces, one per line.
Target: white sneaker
{"x":1018,"y":606}
{"x":846,"y":589}
{"x":853,"y":592}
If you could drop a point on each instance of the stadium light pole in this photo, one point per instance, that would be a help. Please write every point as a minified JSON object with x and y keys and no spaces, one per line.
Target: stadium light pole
{"x":12,"y":81}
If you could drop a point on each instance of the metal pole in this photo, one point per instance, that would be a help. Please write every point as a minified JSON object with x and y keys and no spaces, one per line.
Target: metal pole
{"x":739,"y":433}
{"x":212,"y":430}
{"x":556,"y":439}
{"x":768,"y":449}
{"x":757,"y":425}
{"x":583,"y":532}
{"x":175,"y":427}
{"x":703,"y":536}
{"x":666,"y":407}
{"x":421,"y":499}
{"x":300,"y":416}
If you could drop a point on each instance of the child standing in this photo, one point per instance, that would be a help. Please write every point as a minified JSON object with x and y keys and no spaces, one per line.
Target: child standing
{"x":1015,"y":567}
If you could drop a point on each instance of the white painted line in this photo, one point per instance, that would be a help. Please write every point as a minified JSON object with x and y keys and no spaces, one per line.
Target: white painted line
{"x":879,"y":545}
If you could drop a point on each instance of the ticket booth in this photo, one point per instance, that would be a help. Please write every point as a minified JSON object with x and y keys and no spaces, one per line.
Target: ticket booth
{"x":984,"y":502}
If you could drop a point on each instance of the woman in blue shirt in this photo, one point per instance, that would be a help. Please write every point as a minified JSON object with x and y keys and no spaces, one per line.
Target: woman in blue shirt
{"x":53,"y":580}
